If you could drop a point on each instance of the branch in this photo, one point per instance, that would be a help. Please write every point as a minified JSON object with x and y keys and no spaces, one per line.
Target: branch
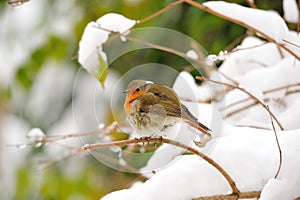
{"x":207,"y":9}
{"x":242,"y":195}
{"x":265,"y":99}
{"x":251,"y":4}
{"x":279,"y":148}
{"x":164,"y":48}
{"x":172,"y":142}
{"x":168,"y":7}
{"x":53,"y":138}
{"x":120,"y":143}
{"x":245,"y":91}
{"x":240,"y":109}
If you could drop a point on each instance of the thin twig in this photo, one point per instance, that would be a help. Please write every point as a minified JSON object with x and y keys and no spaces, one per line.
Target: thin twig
{"x":150,"y":44}
{"x":228,"y":77}
{"x":163,"y":48}
{"x":72,"y":153}
{"x":251,"y":4}
{"x":298,"y":24}
{"x":289,"y":42}
{"x":250,"y":105}
{"x":168,"y":7}
{"x":245,"y":91}
{"x":247,"y":48}
{"x":278,"y":145}
{"x":16,"y":2}
{"x":242,"y":195}
{"x":240,"y":109}
{"x":236,"y":42}
{"x":264,"y":93}
{"x":270,"y":39}
{"x":52,"y":138}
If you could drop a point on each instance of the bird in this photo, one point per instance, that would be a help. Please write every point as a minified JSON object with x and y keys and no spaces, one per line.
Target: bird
{"x":151,"y":108}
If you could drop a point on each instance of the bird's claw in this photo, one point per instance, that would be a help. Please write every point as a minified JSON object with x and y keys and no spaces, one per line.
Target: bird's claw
{"x":203,"y":141}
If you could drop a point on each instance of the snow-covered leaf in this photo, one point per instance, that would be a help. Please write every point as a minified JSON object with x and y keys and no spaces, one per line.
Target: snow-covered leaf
{"x":91,"y":55}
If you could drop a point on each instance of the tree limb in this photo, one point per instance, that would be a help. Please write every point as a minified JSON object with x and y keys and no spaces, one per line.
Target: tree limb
{"x":245,"y":91}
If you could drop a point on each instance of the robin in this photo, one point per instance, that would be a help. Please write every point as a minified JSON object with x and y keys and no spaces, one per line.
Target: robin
{"x":151,"y":108}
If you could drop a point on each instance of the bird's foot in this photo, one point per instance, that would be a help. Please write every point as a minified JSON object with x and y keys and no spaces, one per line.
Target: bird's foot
{"x":203,"y":141}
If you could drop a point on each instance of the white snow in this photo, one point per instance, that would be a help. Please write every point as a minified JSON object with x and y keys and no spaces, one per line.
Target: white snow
{"x":261,"y":20}
{"x":249,"y":156}
{"x":290,"y":9}
{"x":36,"y":134}
{"x":97,"y":33}
{"x":185,"y":86}
{"x":280,"y":189}
{"x":192,"y":54}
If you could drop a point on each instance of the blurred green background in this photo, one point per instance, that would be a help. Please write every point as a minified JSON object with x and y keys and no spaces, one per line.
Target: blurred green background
{"x":38,"y":48}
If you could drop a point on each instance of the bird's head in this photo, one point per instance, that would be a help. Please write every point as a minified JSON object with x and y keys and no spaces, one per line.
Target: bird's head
{"x":135,"y":89}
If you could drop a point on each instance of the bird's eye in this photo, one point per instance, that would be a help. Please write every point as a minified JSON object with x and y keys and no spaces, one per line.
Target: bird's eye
{"x":137,"y":89}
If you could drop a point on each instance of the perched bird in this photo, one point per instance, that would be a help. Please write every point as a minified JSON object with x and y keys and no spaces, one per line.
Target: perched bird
{"x":151,"y":108}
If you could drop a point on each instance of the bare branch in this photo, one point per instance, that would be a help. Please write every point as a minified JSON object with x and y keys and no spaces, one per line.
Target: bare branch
{"x":228,"y":78}
{"x":168,"y":7}
{"x":289,"y":42}
{"x":264,"y":93}
{"x":242,"y":195}
{"x":87,"y":147}
{"x":72,"y":153}
{"x":240,"y":109}
{"x":298,"y":24}
{"x":251,"y":4}
{"x":278,"y":145}
{"x":245,"y":91}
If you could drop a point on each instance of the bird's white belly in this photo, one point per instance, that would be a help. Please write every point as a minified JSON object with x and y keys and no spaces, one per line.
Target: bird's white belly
{"x":151,"y":125}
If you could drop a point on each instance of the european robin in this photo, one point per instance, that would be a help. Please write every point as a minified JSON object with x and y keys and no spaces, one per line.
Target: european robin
{"x":151,"y":108}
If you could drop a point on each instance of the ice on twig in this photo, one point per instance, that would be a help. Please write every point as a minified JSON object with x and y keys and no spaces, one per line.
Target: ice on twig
{"x":36,"y":135}
{"x":210,"y":59}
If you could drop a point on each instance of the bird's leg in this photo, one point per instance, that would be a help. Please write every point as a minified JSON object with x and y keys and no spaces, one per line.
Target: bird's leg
{"x":203,"y":141}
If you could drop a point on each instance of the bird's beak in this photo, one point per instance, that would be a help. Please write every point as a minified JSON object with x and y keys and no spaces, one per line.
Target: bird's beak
{"x":130,"y":97}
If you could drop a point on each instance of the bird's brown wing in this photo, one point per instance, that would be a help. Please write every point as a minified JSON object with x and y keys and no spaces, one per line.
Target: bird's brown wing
{"x":160,"y":100}
{"x":164,"y":93}
{"x":159,"y":105}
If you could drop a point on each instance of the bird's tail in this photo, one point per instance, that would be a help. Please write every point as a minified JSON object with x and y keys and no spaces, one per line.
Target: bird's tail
{"x":200,"y":127}
{"x":192,"y":121}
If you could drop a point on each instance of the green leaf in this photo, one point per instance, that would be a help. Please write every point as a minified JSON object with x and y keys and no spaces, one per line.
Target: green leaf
{"x":100,"y":72}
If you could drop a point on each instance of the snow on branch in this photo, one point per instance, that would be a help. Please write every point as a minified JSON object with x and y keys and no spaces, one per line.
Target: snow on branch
{"x":259,"y":21}
{"x":248,"y":93}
